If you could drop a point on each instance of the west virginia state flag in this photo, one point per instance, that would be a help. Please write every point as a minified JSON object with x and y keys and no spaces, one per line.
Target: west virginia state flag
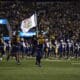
{"x":29,"y":23}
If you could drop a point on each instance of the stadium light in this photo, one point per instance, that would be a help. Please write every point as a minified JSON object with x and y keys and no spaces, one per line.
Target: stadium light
{"x":3,"y":21}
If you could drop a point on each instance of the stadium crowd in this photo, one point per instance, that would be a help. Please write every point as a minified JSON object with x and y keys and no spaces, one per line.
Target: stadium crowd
{"x":58,"y":18}
{"x":60,"y":21}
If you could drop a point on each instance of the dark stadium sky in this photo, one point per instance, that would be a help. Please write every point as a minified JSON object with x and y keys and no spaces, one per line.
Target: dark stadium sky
{"x":40,"y":0}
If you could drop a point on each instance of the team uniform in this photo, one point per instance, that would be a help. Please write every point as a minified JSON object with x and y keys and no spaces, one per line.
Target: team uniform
{"x":69,"y":48}
{"x":57,"y":48}
{"x":63,"y":48}
{"x":8,"y":48}
{"x":1,"y":48}
{"x":39,"y":48}
{"x":77,"y":49}
{"x":38,"y":55}
{"x":60,"y":49}
{"x":23,"y":48}
{"x":15,"y":51}
{"x":47,"y":48}
{"x":27,"y":48}
{"x":34,"y":45}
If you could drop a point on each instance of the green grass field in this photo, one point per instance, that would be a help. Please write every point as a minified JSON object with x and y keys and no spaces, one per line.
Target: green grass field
{"x":50,"y":70}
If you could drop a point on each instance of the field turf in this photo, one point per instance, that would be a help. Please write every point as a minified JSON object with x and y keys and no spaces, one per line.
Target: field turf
{"x":50,"y":70}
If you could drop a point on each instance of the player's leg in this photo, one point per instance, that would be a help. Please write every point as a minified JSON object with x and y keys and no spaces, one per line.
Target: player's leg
{"x":0,"y":56}
{"x":8,"y":52}
{"x":2,"y":53}
{"x":18,"y":54}
{"x":36,"y":60}
{"x":39,"y":61}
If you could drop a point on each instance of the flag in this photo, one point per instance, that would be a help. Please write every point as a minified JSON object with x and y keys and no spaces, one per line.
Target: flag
{"x":29,"y":23}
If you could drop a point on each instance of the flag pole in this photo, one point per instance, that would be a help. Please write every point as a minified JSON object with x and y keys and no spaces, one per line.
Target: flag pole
{"x":36,"y":19}
{"x":36,"y":25}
